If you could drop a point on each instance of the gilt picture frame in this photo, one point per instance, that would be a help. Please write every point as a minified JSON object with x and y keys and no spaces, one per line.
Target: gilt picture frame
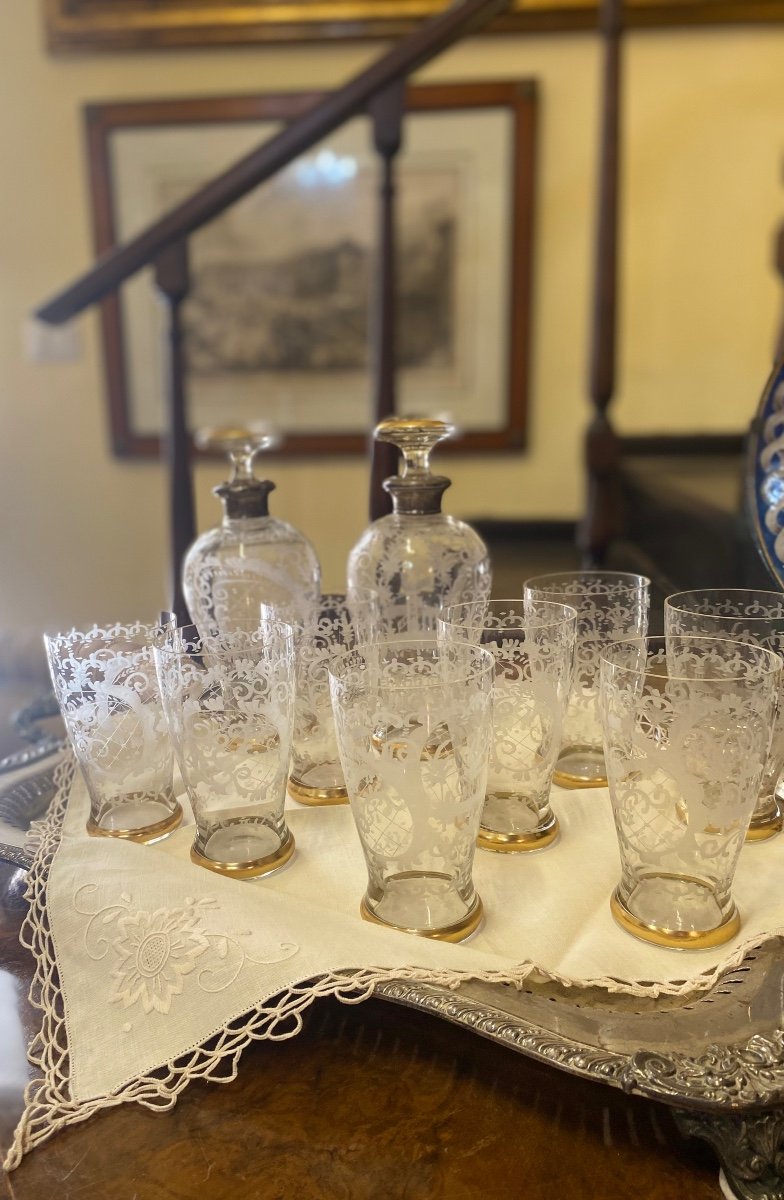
{"x":277,"y":319}
{"x":99,"y":25}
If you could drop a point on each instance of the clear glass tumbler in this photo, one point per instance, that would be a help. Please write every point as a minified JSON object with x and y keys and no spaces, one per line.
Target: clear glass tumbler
{"x":229,"y":702}
{"x":745,"y":615}
{"x":533,"y":649}
{"x":108,"y":694}
{"x":316,"y":776}
{"x":687,"y":726}
{"x":414,"y":725}
{"x":610,"y":605}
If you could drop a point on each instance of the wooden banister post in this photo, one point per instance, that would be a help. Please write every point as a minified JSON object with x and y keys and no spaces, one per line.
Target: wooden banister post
{"x":386,"y":112}
{"x":601,"y":522}
{"x":172,"y":278}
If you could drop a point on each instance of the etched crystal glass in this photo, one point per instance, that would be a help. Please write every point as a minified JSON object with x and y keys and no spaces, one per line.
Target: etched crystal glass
{"x":229,"y":701}
{"x":414,"y":725}
{"x":401,"y":618}
{"x":316,"y":776}
{"x":533,"y":650}
{"x":417,"y":551}
{"x":686,"y":726}
{"x":108,"y":694}
{"x":610,"y":605}
{"x":252,"y":557}
{"x":745,"y":615}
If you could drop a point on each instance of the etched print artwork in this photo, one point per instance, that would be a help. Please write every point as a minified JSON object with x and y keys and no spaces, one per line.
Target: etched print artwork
{"x":281,"y":282}
{"x":284,"y":285}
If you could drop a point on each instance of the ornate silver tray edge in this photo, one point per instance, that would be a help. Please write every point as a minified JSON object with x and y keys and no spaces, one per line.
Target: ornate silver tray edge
{"x":727,"y":1092}
{"x":699,"y":1053}
{"x":20,"y":803}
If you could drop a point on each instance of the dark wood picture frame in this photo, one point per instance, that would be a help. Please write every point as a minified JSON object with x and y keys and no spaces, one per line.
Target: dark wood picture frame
{"x":519,"y":98}
{"x":95,"y":25}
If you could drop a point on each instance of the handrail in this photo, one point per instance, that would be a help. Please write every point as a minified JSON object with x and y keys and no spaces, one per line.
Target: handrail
{"x":261,"y":164}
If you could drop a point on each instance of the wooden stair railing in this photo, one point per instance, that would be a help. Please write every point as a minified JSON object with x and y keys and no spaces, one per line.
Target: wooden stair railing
{"x":602,"y":509}
{"x":377,"y":90}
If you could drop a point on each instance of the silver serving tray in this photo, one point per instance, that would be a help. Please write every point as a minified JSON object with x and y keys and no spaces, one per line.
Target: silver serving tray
{"x":717,"y":1057}
{"x":21,"y":803}
{"x":722,"y":1050}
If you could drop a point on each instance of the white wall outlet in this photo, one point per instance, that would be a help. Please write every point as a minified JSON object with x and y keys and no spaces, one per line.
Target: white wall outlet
{"x":51,"y":343}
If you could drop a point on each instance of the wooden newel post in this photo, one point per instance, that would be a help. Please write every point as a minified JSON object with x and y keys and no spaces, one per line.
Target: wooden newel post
{"x":173,"y":280}
{"x":386,"y":112}
{"x":602,"y":517}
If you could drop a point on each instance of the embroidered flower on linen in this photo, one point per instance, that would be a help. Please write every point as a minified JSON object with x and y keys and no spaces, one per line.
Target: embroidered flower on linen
{"x":155,"y":951}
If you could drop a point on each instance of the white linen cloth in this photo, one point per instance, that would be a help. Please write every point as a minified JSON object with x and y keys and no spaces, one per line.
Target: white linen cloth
{"x":163,"y":971}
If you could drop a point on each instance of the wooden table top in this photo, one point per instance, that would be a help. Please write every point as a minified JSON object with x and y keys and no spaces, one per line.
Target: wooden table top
{"x":369,"y":1102}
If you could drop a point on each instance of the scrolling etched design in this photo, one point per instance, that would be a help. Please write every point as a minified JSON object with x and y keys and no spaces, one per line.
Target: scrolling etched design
{"x":533,"y":653}
{"x":608,"y":608}
{"x":414,"y":744}
{"x":107,"y":690}
{"x":532,"y":672}
{"x":745,"y":615}
{"x":686,"y":736}
{"x":416,"y":564}
{"x":333,"y":630}
{"x":226,"y":577}
{"x":229,"y":702}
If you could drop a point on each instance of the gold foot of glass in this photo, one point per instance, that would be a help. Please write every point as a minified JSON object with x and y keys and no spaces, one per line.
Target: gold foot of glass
{"x":451,"y":933}
{"x":512,"y":843}
{"x":316,"y":796}
{"x":677,"y":939}
{"x":767,"y":826}
{"x":144,"y":834}
{"x":251,"y":869}
{"x":564,"y":780}
{"x":580,"y":767}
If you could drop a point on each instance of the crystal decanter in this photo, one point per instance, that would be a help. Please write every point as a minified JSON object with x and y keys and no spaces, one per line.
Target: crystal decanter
{"x":251,"y":558}
{"x":418,"y":556}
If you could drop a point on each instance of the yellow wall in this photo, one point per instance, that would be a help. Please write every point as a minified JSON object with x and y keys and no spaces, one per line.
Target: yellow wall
{"x":84,"y":536}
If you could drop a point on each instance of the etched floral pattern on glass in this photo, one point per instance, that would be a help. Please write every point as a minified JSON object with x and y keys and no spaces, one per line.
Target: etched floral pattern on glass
{"x":747,"y":615}
{"x":107,"y":690}
{"x":414,"y":723}
{"x":417,"y":556}
{"x":230,"y":702}
{"x":533,"y":649}
{"x":687,"y":726}
{"x":610,"y":605}
{"x":334,"y":626}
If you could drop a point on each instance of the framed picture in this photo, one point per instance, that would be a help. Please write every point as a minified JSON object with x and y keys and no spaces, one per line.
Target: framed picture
{"x":277,"y":318}
{"x":131,"y":25}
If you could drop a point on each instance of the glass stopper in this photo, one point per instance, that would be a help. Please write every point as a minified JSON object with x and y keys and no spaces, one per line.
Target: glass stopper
{"x":240,"y":443}
{"x":243,"y":495}
{"x":415,"y":438}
